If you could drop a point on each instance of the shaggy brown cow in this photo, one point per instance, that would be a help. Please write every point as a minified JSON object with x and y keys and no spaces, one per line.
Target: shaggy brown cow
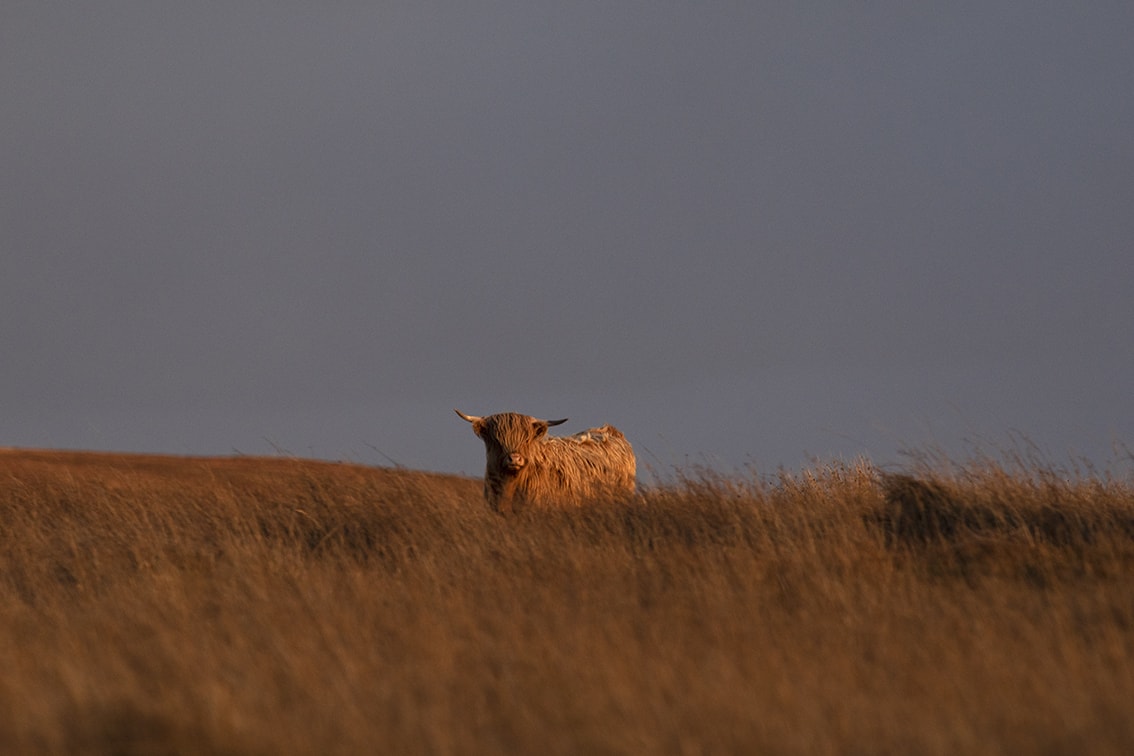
{"x":526,"y":466}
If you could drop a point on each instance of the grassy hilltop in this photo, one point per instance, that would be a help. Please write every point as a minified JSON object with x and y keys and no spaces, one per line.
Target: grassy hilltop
{"x":275,"y":606}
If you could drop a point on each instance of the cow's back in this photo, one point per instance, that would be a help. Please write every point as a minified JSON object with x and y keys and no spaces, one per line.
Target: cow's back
{"x":592,"y":464}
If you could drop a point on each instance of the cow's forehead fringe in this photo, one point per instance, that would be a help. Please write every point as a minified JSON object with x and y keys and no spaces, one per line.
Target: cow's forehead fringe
{"x":510,"y":422}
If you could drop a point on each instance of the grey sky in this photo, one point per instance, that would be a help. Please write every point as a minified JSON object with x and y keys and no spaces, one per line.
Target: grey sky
{"x":743,"y":232}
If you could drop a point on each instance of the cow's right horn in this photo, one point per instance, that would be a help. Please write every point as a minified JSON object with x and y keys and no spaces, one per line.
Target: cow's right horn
{"x":470,"y":418}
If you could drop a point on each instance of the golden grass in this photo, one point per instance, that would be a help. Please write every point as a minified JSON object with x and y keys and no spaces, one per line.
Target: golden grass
{"x":273,"y":606}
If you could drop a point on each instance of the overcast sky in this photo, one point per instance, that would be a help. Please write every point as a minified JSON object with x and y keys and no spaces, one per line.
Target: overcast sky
{"x":745,"y":233}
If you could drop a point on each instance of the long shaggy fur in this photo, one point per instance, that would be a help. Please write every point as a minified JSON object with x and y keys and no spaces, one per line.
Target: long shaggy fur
{"x":525,"y":466}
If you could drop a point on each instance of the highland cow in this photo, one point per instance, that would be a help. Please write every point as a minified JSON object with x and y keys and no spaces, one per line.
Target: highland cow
{"x":525,"y":466}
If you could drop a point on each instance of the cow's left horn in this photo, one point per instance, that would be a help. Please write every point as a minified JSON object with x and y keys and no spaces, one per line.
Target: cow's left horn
{"x":556,"y":422}
{"x":470,"y":418}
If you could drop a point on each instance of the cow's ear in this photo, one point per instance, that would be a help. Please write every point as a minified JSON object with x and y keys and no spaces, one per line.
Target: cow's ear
{"x":478,"y":428}
{"x":539,"y":427}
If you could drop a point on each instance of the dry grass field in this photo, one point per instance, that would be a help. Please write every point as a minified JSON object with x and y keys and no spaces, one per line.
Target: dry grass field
{"x":276,"y":606}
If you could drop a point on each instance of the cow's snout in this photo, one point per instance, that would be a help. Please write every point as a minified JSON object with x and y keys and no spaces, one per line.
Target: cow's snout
{"x":514,"y":462}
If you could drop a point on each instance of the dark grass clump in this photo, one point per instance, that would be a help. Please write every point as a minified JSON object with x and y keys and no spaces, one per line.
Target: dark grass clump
{"x":988,"y":522}
{"x":923,"y":511}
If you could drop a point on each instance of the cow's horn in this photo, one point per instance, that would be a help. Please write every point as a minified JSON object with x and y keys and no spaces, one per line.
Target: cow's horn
{"x":556,"y":422}
{"x":470,"y":418}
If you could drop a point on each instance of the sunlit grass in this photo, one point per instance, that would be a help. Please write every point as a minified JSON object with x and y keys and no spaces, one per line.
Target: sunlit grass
{"x":281,"y":606}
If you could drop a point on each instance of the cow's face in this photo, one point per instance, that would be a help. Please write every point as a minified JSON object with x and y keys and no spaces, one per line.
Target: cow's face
{"x":508,"y":438}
